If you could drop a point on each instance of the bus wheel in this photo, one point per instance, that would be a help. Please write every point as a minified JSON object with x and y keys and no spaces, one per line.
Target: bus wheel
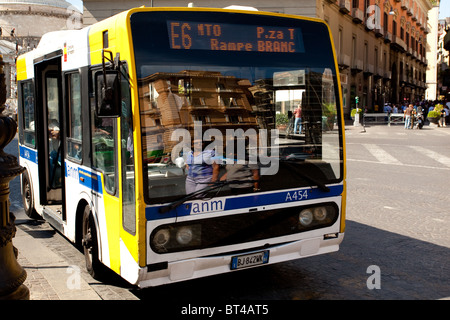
{"x":90,"y":245}
{"x":27,"y":197}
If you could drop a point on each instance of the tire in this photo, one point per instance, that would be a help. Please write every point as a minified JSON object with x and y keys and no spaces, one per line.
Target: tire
{"x":28,"y":197}
{"x":90,"y":245}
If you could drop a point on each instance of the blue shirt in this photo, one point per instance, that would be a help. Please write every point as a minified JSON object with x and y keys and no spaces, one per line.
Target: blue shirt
{"x":200,"y":165}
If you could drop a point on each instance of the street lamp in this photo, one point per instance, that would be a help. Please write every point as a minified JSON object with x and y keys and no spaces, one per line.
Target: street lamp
{"x":12,"y":275}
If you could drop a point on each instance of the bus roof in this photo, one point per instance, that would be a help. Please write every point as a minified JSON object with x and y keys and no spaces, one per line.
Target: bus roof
{"x":71,"y":45}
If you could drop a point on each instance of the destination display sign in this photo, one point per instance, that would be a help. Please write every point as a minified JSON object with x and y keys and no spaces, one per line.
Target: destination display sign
{"x":188,"y":35}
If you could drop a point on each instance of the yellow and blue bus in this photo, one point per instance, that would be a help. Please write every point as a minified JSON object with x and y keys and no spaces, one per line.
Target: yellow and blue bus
{"x":168,"y":144}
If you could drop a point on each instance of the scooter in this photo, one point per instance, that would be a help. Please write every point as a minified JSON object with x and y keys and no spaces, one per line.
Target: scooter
{"x":419,"y":121}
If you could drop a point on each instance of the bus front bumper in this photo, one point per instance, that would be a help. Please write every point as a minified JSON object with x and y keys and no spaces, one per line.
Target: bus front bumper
{"x":207,"y":266}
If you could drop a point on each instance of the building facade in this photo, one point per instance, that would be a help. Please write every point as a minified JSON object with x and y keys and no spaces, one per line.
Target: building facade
{"x":381,"y":48}
{"x":381,"y":45}
{"x":443,"y":60}
{"x":23,"y":23}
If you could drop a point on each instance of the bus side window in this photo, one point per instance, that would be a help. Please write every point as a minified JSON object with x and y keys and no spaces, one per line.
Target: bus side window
{"x":104,"y":146}
{"x":28,"y":122}
{"x":127,"y":153}
{"x":74,"y":133}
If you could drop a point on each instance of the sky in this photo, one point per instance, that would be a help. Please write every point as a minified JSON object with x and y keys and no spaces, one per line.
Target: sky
{"x":444,"y":9}
{"x":79,"y":4}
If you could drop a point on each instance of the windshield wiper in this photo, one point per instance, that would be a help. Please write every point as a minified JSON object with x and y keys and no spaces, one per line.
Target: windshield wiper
{"x":307,"y":177}
{"x":192,"y":195}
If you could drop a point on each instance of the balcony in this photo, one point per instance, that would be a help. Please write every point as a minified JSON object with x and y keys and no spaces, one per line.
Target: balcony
{"x":388,"y":37}
{"x":357,"y":66}
{"x":368,"y":70}
{"x":345,"y":6}
{"x":387,"y":75}
{"x":344,"y":61}
{"x":378,"y":73}
{"x":378,"y":32}
{"x":398,"y":44}
{"x":357,"y":15}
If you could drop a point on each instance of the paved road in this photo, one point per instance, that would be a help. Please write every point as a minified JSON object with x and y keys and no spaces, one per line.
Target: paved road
{"x":398,"y":219}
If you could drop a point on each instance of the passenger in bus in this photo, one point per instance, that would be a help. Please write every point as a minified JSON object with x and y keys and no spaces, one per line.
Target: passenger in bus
{"x":242,"y":173}
{"x":245,"y":175}
{"x":53,"y":133}
{"x":54,"y":152}
{"x":201,"y":168}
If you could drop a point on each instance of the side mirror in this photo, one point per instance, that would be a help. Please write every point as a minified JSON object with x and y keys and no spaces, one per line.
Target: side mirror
{"x":109,"y":99}
{"x":108,"y":93}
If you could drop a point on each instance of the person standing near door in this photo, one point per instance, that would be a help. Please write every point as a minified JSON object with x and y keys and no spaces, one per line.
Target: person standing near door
{"x":298,"y":119}
{"x":54,"y":152}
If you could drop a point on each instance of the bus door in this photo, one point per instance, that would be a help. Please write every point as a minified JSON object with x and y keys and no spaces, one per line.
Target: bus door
{"x":50,"y":148}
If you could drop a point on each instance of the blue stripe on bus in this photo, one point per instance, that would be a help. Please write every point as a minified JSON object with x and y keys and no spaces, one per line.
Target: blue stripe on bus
{"x":248,"y":201}
{"x":28,"y":154}
{"x":91,"y":180}
{"x":85,"y":178}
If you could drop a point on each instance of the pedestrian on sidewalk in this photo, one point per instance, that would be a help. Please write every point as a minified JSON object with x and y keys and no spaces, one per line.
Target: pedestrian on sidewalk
{"x":298,"y":119}
{"x":447,"y":115}
{"x":407,"y":116}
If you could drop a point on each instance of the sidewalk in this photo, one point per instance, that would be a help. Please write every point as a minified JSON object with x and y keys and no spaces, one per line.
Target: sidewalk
{"x":49,"y":277}
{"x":44,"y":254}
{"x":349,"y":126}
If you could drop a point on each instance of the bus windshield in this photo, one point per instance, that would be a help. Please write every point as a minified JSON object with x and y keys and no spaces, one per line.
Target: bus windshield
{"x":231,"y":108}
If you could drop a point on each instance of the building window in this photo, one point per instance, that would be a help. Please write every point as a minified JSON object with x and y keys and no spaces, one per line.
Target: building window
{"x":354,"y":48}
{"x":366,"y":55}
{"x":28,"y":110}
{"x":74,"y":132}
{"x":376,"y":59}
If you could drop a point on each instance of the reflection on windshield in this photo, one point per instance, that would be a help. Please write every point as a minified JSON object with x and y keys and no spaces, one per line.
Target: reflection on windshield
{"x":201,"y":127}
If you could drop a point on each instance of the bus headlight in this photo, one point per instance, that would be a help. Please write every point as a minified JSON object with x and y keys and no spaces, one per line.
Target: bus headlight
{"x":161,"y":238}
{"x":305,"y":217}
{"x":320,"y":213}
{"x":184,"y":235}
{"x":174,"y":237}
{"x":315,"y":217}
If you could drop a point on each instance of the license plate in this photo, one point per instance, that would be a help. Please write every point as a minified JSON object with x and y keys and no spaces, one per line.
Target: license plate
{"x":249,"y":260}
